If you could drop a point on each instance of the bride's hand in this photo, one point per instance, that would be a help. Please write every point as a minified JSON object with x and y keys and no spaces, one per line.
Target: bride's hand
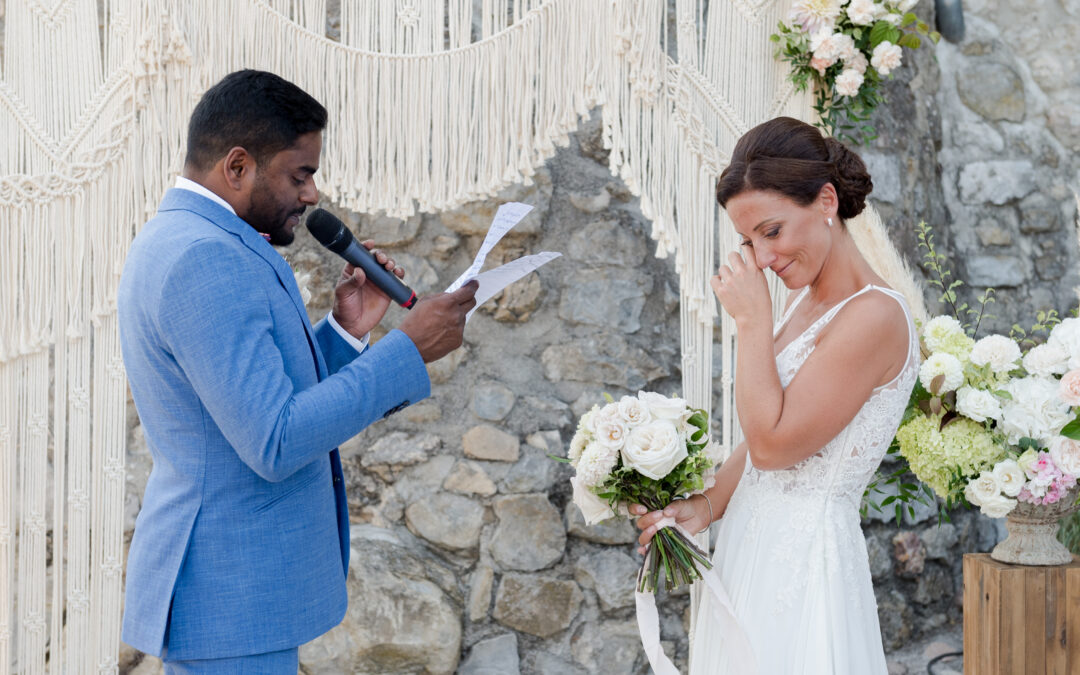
{"x":692,"y":514}
{"x":741,"y":288}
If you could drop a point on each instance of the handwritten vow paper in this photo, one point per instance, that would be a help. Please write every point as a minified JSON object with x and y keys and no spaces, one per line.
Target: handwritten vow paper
{"x":494,"y":280}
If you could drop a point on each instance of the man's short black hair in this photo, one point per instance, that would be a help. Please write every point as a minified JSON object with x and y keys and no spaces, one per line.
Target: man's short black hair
{"x":253,"y":109}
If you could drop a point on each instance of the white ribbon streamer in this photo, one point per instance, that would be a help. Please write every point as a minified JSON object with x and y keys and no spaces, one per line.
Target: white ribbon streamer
{"x":742,"y":655}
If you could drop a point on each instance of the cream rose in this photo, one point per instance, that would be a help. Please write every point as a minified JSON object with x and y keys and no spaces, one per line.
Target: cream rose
{"x":828,"y":45}
{"x":633,"y":411}
{"x":997,"y":351}
{"x":654,"y":449}
{"x":1010,"y":477}
{"x":849,"y":81}
{"x":1066,"y":455}
{"x":977,"y":404}
{"x":861,"y":12}
{"x":593,"y":508}
{"x":1069,"y":388}
{"x":1046,"y":359}
{"x":663,"y":407}
{"x":998,"y":507}
{"x":983,"y":489}
{"x":857,"y":63}
{"x":886,"y":57}
{"x":611,"y":432}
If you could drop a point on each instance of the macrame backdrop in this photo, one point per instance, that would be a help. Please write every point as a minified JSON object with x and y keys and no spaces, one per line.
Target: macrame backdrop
{"x":433,"y":103}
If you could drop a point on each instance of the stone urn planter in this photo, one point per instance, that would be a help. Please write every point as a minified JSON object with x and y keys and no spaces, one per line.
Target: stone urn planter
{"x":1033,"y":531}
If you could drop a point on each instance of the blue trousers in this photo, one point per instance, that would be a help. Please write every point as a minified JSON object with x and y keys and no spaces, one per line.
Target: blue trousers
{"x":285,"y":662}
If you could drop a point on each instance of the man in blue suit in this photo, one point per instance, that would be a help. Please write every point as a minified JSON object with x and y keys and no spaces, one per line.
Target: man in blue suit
{"x":241,"y":549}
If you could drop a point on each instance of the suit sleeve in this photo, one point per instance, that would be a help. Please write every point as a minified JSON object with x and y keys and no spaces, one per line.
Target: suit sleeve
{"x":218,"y":326}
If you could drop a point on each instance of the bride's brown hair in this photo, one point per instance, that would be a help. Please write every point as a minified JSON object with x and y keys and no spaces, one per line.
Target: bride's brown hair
{"x":792,"y":158}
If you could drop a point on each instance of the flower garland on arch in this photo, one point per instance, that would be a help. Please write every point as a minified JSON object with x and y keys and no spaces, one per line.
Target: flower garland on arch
{"x":845,"y":48}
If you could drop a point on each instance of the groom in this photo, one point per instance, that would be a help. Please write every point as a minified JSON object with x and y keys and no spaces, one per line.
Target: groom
{"x":241,"y":549}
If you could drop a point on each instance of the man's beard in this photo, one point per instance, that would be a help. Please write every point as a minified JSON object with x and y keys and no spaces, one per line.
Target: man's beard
{"x":266,"y":216}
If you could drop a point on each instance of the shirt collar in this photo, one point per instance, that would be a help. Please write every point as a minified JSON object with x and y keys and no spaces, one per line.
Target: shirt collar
{"x":188,"y":184}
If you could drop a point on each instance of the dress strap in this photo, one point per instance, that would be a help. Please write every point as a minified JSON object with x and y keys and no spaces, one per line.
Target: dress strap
{"x":790,"y":310}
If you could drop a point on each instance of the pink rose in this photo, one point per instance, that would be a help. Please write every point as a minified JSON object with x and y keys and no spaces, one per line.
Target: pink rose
{"x":821,"y":65}
{"x":1069,"y":389}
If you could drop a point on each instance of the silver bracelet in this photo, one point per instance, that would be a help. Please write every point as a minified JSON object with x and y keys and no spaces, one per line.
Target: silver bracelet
{"x":709,"y":502}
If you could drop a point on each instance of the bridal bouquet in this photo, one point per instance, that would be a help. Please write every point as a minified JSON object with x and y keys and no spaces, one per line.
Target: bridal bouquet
{"x":649,"y":450}
{"x":993,"y":421}
{"x":845,"y":48}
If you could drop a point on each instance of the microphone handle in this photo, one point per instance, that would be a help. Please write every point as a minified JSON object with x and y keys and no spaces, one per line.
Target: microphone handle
{"x":360,"y":257}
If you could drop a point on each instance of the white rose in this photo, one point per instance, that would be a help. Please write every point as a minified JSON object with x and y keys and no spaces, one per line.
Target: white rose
{"x":939,"y":330}
{"x":611,"y":432}
{"x":858,"y":63}
{"x":894,"y":18}
{"x":1066,"y":335}
{"x":663,"y":407}
{"x":1066,"y":455}
{"x":861,"y":12}
{"x":828,"y":45}
{"x":609,"y":412}
{"x":977,"y":404}
{"x":886,"y":56}
{"x":982,"y":489}
{"x":596,"y":463}
{"x":1010,"y":477}
{"x":588,"y":420}
{"x":577,"y":445}
{"x":633,"y":412}
{"x":997,"y":351}
{"x":998,"y":507}
{"x":906,"y":5}
{"x":942,"y":364}
{"x":849,"y":81}
{"x":592,"y":507}
{"x":654,"y":449}
{"x":1035,"y":410}
{"x":1046,"y":359}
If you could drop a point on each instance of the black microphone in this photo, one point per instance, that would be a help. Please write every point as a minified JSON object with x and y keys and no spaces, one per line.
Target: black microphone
{"x":332,"y":233}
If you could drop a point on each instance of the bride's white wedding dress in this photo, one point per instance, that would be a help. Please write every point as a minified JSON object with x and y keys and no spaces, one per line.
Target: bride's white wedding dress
{"x":789,"y":548}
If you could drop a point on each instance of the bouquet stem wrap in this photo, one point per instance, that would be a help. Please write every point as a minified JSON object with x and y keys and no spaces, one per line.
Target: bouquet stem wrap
{"x":742,"y":655}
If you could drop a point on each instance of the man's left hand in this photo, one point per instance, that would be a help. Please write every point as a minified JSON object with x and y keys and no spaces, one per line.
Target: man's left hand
{"x":359,"y":305}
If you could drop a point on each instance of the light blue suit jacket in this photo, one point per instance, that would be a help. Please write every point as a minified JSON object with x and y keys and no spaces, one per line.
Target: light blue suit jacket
{"x":242,"y":544}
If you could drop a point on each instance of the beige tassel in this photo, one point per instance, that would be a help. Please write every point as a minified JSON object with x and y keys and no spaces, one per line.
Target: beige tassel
{"x":873,"y":241}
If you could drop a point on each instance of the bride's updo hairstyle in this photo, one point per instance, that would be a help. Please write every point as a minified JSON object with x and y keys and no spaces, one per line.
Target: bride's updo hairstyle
{"x":792,"y":158}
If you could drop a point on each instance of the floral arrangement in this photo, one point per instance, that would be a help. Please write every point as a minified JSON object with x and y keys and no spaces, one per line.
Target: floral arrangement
{"x":845,"y":48}
{"x":649,"y":450}
{"x":994,"y":421}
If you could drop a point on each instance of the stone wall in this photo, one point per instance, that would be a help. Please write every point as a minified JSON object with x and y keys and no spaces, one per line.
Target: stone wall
{"x":466,"y":552}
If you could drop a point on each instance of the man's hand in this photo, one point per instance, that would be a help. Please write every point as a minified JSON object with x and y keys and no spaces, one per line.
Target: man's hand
{"x":436,"y":322}
{"x":358,"y":305}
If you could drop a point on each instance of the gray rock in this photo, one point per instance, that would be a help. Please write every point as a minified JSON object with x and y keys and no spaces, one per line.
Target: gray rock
{"x":997,"y":181}
{"x":607,"y":647}
{"x":1039,"y":213}
{"x":487,"y":442}
{"x":611,"y":531}
{"x":396,"y":448}
{"x":387,"y":231}
{"x":442,"y":370}
{"x":934,"y":584}
{"x":447,"y":520}
{"x":537,"y":605}
{"x":545,"y":412}
{"x":475,"y":218}
{"x":419,"y":274}
{"x":993,"y":234}
{"x":469,"y":478}
{"x":1063,"y":120}
{"x":494,"y":656}
{"x":939,"y":541}
{"x":422,"y":480}
{"x":881,"y":565}
{"x":424,"y":412}
{"x":399,"y":621}
{"x":492,"y":401}
{"x":993,"y":90}
{"x":546,"y":663}
{"x":590,"y":202}
{"x":885,"y":171}
{"x":608,"y":242}
{"x":611,"y":574}
{"x":534,"y":472}
{"x":519,"y":300}
{"x":895,"y":618}
{"x":997,"y":271}
{"x":606,"y":360}
{"x":480,"y":585}
{"x":605,"y":298}
{"x":529,"y":535}
{"x":910,"y":554}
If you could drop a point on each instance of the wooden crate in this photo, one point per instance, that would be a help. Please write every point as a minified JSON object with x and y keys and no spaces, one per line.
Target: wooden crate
{"x":1020,"y":619}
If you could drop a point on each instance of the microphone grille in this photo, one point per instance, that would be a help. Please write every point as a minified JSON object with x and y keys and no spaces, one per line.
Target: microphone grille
{"x":325,"y":226}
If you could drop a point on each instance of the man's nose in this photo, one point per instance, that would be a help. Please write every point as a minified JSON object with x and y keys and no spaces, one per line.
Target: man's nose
{"x":309,"y":194}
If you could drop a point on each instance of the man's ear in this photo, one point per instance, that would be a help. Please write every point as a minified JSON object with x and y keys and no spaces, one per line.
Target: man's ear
{"x":238,"y":168}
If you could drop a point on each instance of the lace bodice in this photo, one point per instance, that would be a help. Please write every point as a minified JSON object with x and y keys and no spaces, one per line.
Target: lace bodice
{"x":843,"y":468}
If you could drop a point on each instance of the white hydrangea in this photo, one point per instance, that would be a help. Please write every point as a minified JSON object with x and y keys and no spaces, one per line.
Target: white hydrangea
{"x":942,"y":364}
{"x":1046,"y":359}
{"x":577,"y":445}
{"x":939,"y":330}
{"x":1034,"y":411}
{"x":997,"y":351}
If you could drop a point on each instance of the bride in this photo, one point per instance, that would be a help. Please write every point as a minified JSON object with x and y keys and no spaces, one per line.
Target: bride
{"x":819,"y":397}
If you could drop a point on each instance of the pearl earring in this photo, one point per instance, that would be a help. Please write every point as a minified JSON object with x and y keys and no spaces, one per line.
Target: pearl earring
{"x":828,"y":221}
